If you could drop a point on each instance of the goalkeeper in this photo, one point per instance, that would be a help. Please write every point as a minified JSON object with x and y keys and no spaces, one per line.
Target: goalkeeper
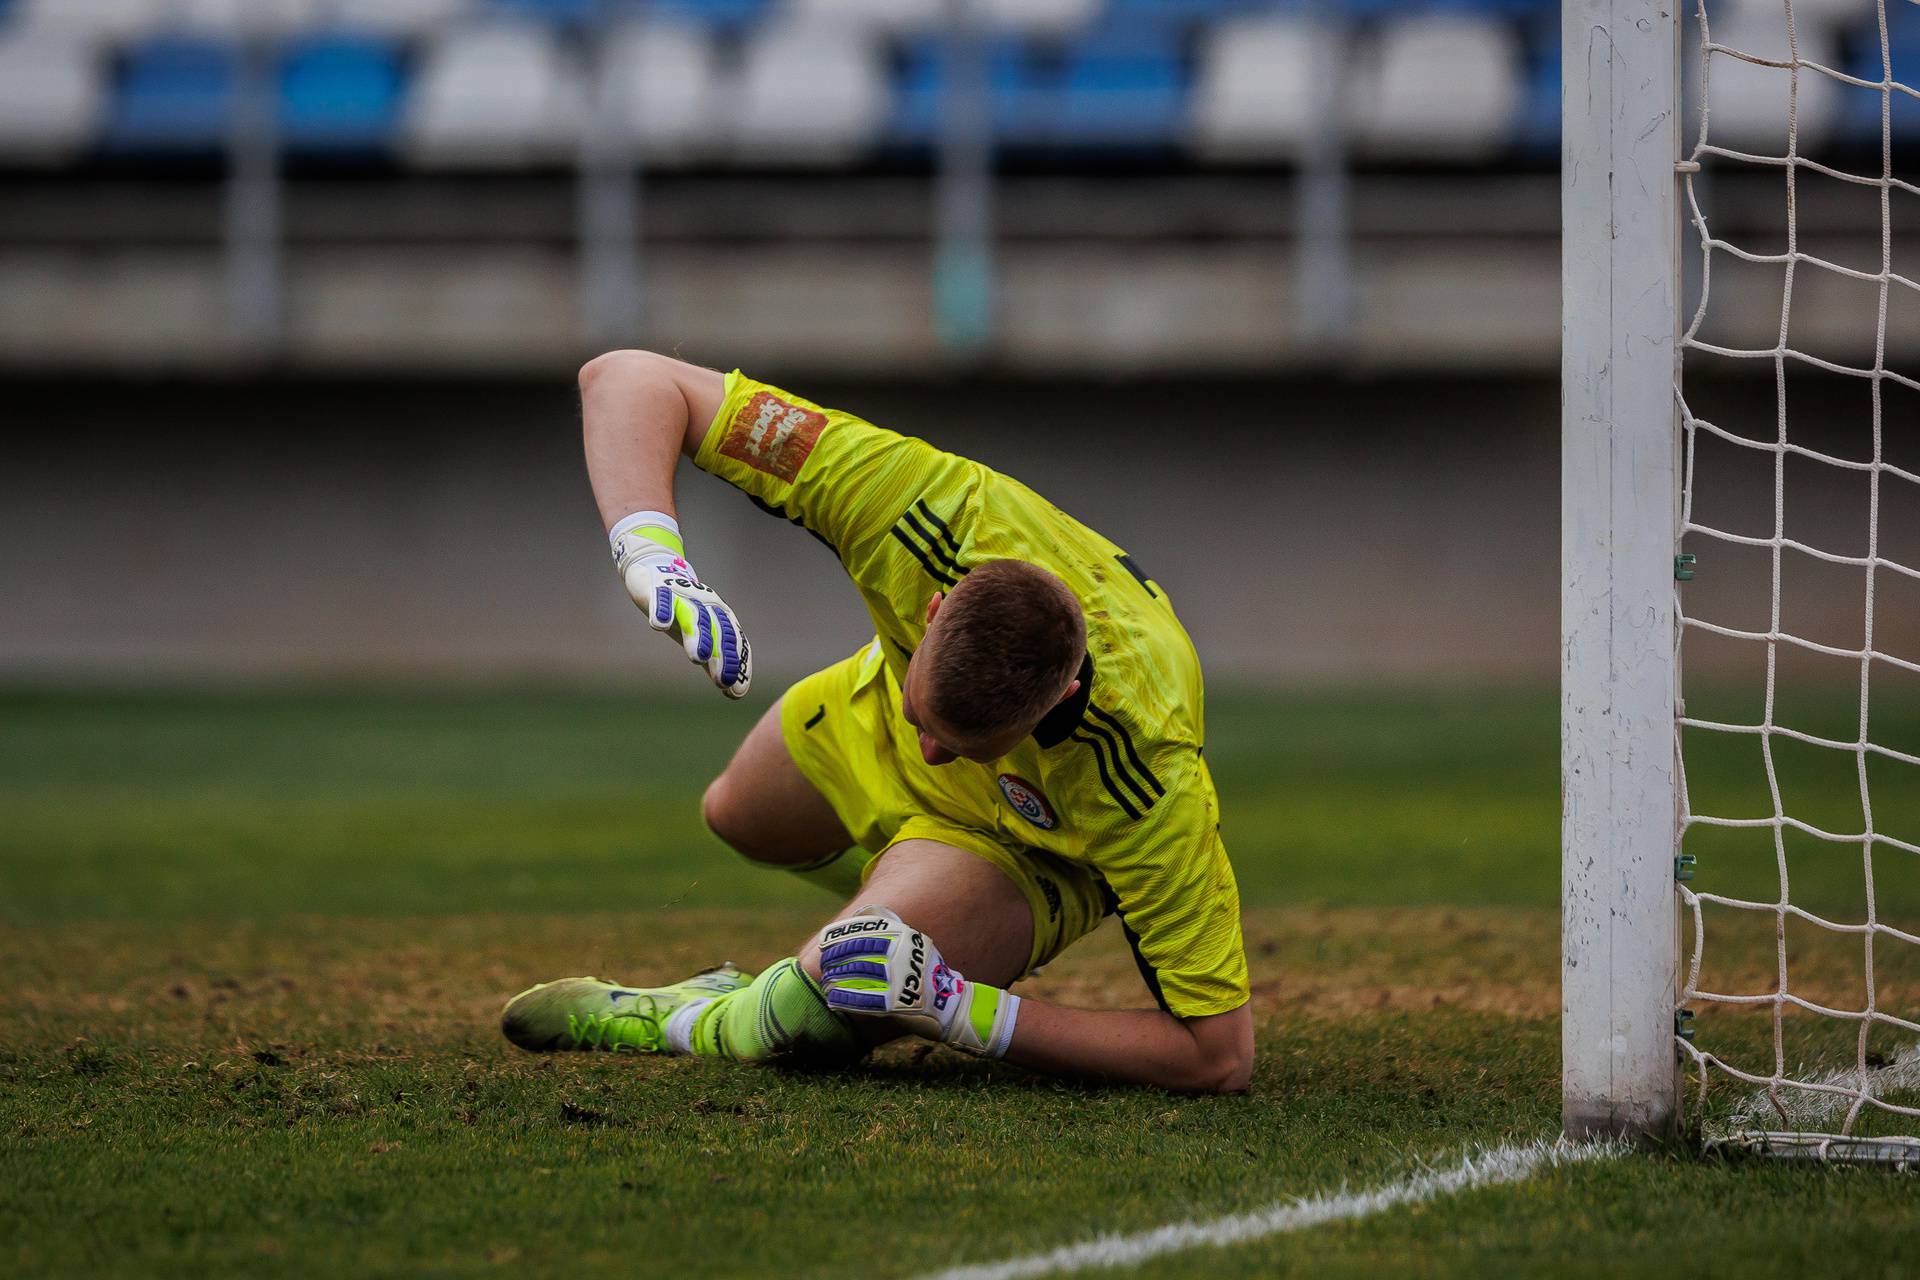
{"x":1017,"y":754}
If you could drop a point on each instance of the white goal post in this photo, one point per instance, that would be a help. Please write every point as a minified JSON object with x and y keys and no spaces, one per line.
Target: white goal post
{"x":1619,"y":533}
{"x":1634,"y":165}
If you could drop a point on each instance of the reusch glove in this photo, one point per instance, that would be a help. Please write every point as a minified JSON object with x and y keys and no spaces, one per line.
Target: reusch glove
{"x":876,"y":965}
{"x":652,"y":562}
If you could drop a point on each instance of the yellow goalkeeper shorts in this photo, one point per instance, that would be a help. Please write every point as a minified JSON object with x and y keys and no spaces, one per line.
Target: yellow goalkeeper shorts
{"x":839,"y":726}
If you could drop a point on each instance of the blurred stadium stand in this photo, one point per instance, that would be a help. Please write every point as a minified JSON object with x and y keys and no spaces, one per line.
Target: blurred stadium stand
{"x":1157,"y":149}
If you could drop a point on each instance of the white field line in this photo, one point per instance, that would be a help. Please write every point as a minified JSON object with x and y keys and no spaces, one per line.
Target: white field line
{"x":1813,"y":1109}
{"x":1481,"y":1169}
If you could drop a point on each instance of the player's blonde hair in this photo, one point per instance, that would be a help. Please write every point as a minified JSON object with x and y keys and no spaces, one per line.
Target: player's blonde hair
{"x":1009,"y":638}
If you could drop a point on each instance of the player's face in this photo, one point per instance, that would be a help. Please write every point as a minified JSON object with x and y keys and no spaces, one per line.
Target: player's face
{"x":939,"y":742}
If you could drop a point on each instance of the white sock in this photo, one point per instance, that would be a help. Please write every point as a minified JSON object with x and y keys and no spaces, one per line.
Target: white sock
{"x":678,"y":1027}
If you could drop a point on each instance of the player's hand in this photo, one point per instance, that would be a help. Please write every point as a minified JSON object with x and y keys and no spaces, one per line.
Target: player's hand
{"x":676,"y":602}
{"x":877,"y":965}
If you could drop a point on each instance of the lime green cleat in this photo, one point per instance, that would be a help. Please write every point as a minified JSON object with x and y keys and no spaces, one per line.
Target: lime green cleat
{"x":592,"y":1013}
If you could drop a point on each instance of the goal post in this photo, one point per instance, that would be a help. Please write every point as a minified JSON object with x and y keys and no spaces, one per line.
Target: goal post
{"x":1794,"y":777}
{"x":1620,"y":485}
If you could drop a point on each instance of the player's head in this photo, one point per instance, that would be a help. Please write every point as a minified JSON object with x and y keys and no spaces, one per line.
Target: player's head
{"x":1002,"y":649}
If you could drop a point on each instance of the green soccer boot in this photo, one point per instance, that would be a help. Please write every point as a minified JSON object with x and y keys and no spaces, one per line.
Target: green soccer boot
{"x":591,"y":1013}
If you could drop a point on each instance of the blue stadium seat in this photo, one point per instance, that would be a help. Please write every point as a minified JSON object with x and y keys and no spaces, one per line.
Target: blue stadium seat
{"x":717,"y":13}
{"x":174,"y":94}
{"x":1180,"y":10}
{"x":560,"y":12}
{"x":1538,"y":136}
{"x":1126,"y":87}
{"x":340,"y":93}
{"x":1023,"y":97}
{"x":1860,"y":113}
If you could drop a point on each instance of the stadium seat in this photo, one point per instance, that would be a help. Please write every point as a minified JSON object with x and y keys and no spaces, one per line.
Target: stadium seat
{"x":492,"y":96}
{"x":175,"y":94}
{"x":668,"y":75}
{"x":1862,"y":111}
{"x":1036,"y":17}
{"x":340,"y":93}
{"x":1539,"y":135}
{"x":396,"y":17}
{"x":217,"y":18}
{"x":104,"y":20}
{"x":557,"y":12}
{"x":1253,"y":97}
{"x":1177,"y":10}
{"x":1437,"y":87}
{"x":52,"y":96}
{"x":808,"y":93}
{"x":718,"y":13}
{"x":1023,"y":99}
{"x":1123,"y":88}
{"x":1749,"y":102}
{"x":894,"y":17}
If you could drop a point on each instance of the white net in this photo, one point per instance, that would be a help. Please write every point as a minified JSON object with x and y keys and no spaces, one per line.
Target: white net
{"x":1799,"y":743}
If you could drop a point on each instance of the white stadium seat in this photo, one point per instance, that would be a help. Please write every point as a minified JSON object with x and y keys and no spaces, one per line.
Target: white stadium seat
{"x":243,"y":17}
{"x":808,"y":93}
{"x":498,"y":96}
{"x":1749,"y":101}
{"x":1037,"y":17}
{"x":1253,"y":93}
{"x":667,"y":73}
{"x":53,"y":93}
{"x":104,"y":20}
{"x":1444,"y":87}
{"x":396,"y":17}
{"x":893,"y":17}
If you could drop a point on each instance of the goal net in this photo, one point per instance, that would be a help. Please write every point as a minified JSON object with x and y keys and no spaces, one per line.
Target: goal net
{"x":1741,"y":573}
{"x":1797,"y":587}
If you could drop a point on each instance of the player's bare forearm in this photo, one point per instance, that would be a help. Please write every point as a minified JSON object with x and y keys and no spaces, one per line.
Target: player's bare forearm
{"x":1137,"y":1046}
{"x":639,"y":412}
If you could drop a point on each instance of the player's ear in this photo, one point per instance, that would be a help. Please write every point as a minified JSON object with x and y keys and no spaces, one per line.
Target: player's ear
{"x":933,"y":605}
{"x":1073,"y":687}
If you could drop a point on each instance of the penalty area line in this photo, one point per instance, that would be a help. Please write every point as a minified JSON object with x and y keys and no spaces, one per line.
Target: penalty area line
{"x":1489,"y":1168}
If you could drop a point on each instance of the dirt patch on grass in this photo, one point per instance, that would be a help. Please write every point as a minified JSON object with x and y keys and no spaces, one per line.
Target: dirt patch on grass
{"x":387,"y":987}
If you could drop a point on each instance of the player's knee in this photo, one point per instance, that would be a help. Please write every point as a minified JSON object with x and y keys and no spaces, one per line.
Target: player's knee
{"x":723,"y":814}
{"x":716,"y":810}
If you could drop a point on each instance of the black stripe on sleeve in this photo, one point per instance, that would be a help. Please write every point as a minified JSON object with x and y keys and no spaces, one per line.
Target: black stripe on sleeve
{"x":1132,"y":566}
{"x":1120,"y":766}
{"x":938,"y":574}
{"x":940,"y":553}
{"x":1100,"y":749}
{"x":1148,"y":974}
{"x":795,"y":521}
{"x":1132,"y":755}
{"x":937,"y":522}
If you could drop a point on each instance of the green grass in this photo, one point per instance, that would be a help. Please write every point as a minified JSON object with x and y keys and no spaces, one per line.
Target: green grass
{"x":254,"y":943}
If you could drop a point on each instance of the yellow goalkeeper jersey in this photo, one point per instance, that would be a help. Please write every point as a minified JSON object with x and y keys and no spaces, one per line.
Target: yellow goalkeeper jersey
{"x":1114,"y":778}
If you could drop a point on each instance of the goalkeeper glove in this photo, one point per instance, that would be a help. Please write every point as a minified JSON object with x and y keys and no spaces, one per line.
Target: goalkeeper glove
{"x":650,"y":557}
{"x":878,"y":965}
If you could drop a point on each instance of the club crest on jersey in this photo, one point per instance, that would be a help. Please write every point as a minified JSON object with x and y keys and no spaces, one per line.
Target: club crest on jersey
{"x":1027,"y":801}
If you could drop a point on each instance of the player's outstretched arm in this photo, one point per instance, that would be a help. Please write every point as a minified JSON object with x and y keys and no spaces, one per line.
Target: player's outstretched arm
{"x":875,"y":965}
{"x":639,"y":412}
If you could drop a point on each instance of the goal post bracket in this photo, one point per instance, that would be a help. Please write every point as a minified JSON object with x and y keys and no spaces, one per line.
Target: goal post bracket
{"x":1619,"y":540}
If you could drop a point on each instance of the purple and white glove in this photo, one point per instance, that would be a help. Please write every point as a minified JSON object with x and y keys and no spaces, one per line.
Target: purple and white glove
{"x":876,"y":965}
{"x":651,"y":559}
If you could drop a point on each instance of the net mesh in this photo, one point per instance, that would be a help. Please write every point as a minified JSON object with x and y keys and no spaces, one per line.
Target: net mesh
{"x":1804,"y":949}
